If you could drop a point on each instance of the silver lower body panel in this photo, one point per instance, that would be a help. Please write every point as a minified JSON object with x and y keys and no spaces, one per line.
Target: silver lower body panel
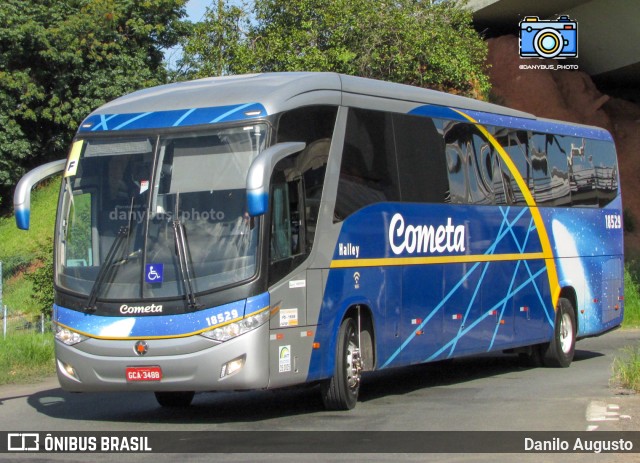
{"x":188,"y":364}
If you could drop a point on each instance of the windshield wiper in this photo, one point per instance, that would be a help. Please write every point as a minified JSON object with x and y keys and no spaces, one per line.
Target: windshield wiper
{"x":109,"y":261}
{"x":106,"y":268}
{"x":184,"y":257}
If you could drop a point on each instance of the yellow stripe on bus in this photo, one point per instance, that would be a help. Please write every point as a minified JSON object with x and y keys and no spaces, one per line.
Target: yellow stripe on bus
{"x":426,"y":260}
{"x":554,"y":284}
{"x":166,"y":336}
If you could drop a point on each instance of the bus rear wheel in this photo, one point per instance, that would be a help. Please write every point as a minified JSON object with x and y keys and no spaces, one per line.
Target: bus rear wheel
{"x":175,"y":399}
{"x":561,"y":349}
{"x":341,"y":391}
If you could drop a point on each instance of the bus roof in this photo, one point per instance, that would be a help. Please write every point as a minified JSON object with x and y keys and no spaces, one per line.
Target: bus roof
{"x":250,"y":96}
{"x":281,"y":91}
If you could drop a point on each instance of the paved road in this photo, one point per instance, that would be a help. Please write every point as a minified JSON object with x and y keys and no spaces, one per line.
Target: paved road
{"x":492,"y":392}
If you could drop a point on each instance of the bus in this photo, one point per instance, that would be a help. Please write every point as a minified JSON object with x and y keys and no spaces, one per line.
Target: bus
{"x":270,"y":230}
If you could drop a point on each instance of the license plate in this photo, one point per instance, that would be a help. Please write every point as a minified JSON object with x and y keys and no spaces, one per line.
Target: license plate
{"x":144,"y":373}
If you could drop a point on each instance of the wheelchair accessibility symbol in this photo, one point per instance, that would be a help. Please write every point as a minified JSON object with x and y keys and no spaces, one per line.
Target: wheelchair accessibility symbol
{"x":153,"y":273}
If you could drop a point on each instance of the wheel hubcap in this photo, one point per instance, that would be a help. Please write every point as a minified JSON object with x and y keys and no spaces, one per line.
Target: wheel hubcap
{"x":354,"y":366}
{"x":566,"y":333}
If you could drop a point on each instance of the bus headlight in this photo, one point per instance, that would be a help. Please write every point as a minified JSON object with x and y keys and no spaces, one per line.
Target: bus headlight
{"x":68,"y":337}
{"x":230,"y":331}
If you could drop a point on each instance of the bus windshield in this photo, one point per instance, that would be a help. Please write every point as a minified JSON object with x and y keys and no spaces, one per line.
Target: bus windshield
{"x":150,"y":217}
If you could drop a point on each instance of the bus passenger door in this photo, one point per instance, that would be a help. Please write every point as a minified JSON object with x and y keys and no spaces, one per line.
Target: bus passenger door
{"x":291,"y":338}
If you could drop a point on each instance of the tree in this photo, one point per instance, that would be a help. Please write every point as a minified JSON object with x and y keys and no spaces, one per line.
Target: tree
{"x":423,"y":43}
{"x":61,"y":60}
{"x":214,"y":44}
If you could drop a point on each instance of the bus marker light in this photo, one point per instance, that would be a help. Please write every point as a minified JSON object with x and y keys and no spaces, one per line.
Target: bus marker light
{"x":524,"y":309}
{"x":306,"y":334}
{"x":502,"y":322}
{"x":416,"y":321}
{"x":232,"y":367}
{"x":457,"y":316}
{"x":316,"y":345}
{"x":419,"y":333}
{"x":68,"y":371}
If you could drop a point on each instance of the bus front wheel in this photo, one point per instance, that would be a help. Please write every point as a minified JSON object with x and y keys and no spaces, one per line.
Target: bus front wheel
{"x":561,"y":349}
{"x":341,"y":391}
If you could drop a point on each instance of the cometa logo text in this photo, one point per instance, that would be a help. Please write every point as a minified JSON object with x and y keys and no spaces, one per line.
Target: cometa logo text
{"x":424,"y":239}
{"x":140,"y":309}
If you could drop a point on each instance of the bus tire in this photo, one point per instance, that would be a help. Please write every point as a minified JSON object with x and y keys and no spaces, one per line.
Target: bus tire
{"x":561,"y":349}
{"x":174,"y":399}
{"x":341,"y":391}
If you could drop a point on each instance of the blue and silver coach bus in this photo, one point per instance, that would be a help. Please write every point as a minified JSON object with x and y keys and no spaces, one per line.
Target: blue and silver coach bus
{"x":269,"y":230}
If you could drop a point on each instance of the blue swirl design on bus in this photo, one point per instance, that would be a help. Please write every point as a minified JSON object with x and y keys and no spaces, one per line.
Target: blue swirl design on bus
{"x":589,"y":258}
{"x":159,"y":326}
{"x":490,"y":296}
{"x":500,"y":120}
{"x":172,"y":118}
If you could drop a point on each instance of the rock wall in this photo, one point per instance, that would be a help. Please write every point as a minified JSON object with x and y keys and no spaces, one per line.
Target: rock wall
{"x":572,"y":96}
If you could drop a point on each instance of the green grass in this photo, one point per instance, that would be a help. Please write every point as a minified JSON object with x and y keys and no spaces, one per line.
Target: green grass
{"x":626,"y":369}
{"x":26,"y":358}
{"x":631,"y":296}
{"x":19,"y":248}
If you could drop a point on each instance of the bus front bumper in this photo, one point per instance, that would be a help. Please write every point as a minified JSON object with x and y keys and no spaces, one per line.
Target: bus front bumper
{"x":193,"y":363}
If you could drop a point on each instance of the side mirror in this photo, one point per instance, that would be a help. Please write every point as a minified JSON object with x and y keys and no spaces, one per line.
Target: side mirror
{"x":22,"y":195}
{"x":260,"y":173}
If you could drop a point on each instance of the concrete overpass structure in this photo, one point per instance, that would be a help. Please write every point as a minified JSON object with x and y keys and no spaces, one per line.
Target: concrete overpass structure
{"x":608,"y":32}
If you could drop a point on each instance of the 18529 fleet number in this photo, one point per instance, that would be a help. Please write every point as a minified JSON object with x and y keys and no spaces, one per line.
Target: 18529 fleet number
{"x":613,"y":221}
{"x":225,"y":316}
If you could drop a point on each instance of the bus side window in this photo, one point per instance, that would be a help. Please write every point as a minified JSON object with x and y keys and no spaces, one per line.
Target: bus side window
{"x":606,"y":171}
{"x":312,"y":165}
{"x":287,"y":238}
{"x":582,"y":172}
{"x":514,"y":143}
{"x":421,"y":160}
{"x":558,"y":160}
{"x":313,"y":125}
{"x":456,"y":168}
{"x":368,"y":173}
{"x":480,"y":174}
{"x":540,"y":171}
{"x":285,"y":218}
{"x":466,"y":153}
